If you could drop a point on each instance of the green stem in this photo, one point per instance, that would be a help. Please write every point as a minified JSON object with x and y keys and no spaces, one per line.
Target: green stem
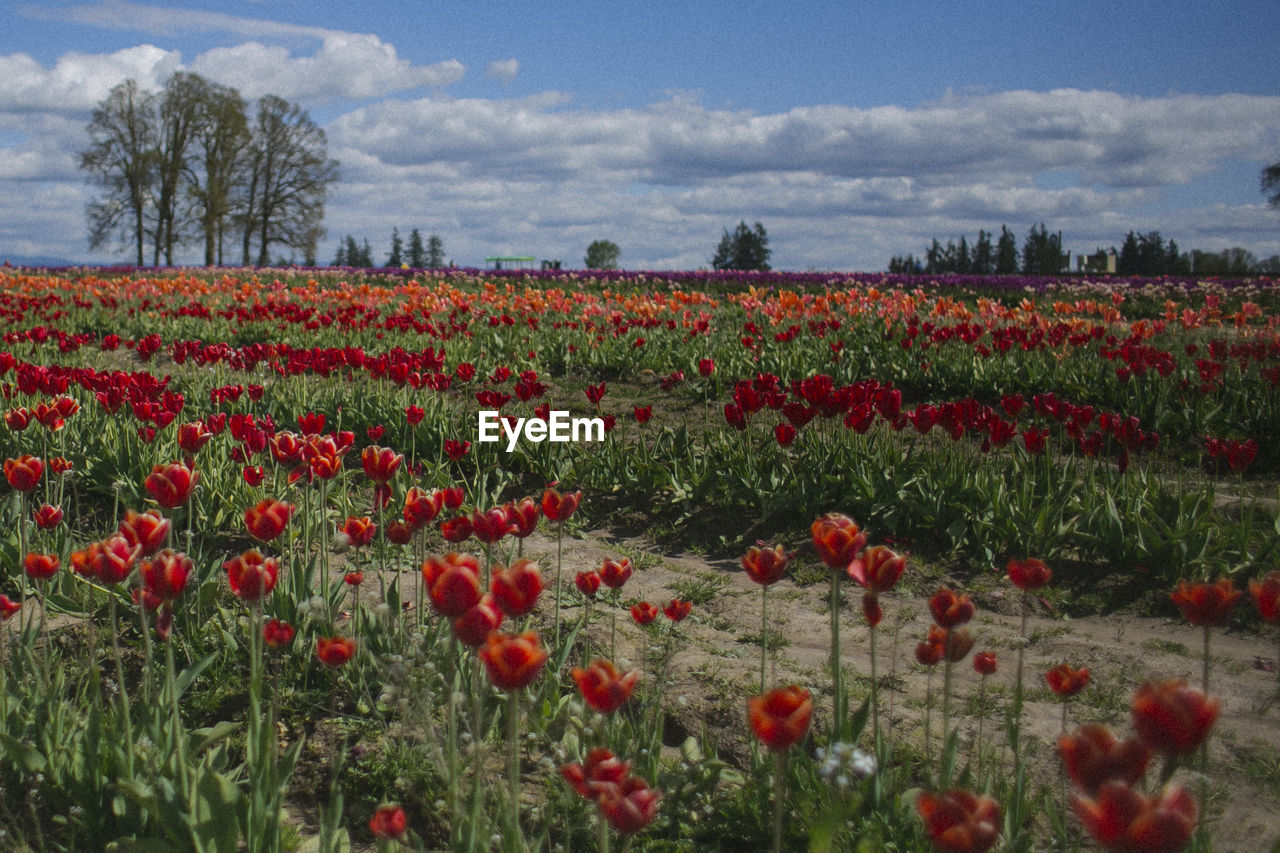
{"x":559,"y":537}
{"x":513,"y":758}
{"x":764,"y":637}
{"x":779,"y":796}
{"x":837,"y":688}
{"x":875,"y":688}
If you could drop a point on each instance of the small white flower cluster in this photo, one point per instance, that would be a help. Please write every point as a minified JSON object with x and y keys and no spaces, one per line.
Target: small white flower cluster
{"x":843,"y":762}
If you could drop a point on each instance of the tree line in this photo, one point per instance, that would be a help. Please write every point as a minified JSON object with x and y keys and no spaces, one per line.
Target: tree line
{"x":417,"y":255}
{"x":187,"y":165}
{"x":1140,"y":254}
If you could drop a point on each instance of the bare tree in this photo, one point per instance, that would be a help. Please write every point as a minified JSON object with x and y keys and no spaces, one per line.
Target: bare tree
{"x":217,"y":168}
{"x":121,"y":158}
{"x":180,"y":115}
{"x":288,"y":178}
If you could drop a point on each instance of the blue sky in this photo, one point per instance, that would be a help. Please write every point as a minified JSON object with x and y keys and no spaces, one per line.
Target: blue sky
{"x":852,"y":131}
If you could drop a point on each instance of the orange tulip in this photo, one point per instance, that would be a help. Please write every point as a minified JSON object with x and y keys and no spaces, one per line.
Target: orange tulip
{"x":949,"y":609}
{"x":958,"y":821}
{"x":780,"y":718}
{"x":147,"y":530}
{"x":335,"y":651}
{"x":1065,"y":681}
{"x":513,"y":661}
{"x":877,"y":569}
{"x":1172,"y":717}
{"x":1206,"y":605}
{"x":765,"y":565}
{"x":837,"y":539}
{"x":453,"y":583}
{"x":603,"y":687}
{"x":171,"y":485}
{"x":252,"y":575}
{"x":1092,"y":755}
{"x":267,"y":519}
{"x":516,"y":589}
{"x":23,"y":473}
{"x":1123,"y":820}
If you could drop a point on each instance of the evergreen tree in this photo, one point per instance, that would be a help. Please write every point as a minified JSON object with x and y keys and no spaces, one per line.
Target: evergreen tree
{"x":340,"y":258}
{"x":397,"y":249}
{"x":1006,"y":252}
{"x":1042,"y":252}
{"x":417,"y":258}
{"x":963,"y":263}
{"x":435,"y":253}
{"x":983,"y":259}
{"x":747,"y":249}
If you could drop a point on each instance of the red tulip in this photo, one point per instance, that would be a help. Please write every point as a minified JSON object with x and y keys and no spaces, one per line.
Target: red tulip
{"x":877,"y":568}
{"x":165,"y":574}
{"x":928,"y":652}
{"x":388,"y":823}
{"x":522,"y":517}
{"x":311,"y":423}
{"x":1065,"y":681}
{"x":353,"y":578}
{"x":40,"y":567}
{"x":676,"y":610}
{"x":358,"y":532}
{"x":1172,"y":717}
{"x":1092,"y":755}
{"x":453,"y":583}
{"x":192,"y":437}
{"x":513,"y":661}
{"x":8,"y":609}
{"x":615,"y":573}
{"x":399,"y":533}
{"x":420,"y":507}
{"x":148,"y":530}
{"x":984,"y":663}
{"x":643,"y":613}
{"x":560,"y":507}
{"x":601,"y":770}
{"x":252,"y":575}
{"x":765,"y":565}
{"x":953,"y":644}
{"x":643,"y":414}
{"x":838,"y":539}
{"x":267,"y":519}
{"x":473,"y":627}
{"x":1266,"y":595}
{"x":780,"y":717}
{"x":958,"y":821}
{"x":23,"y":473}
{"x":516,"y":589}
{"x":706,"y":367}
{"x":17,"y":419}
{"x":1121,"y":819}
{"x":588,"y":583}
{"x":1028,"y":574}
{"x":452,"y":497}
{"x":603,"y":687}
{"x":785,"y":434}
{"x":456,"y":529}
{"x":254,"y":475}
{"x":47,"y":517}
{"x":380,"y":463}
{"x":490,"y":525}
{"x":949,"y":609}
{"x":455,"y":449}
{"x":58,"y":465}
{"x":171,"y":485}
{"x":1206,"y":605}
{"x":335,"y":651}
{"x":277,"y":633}
{"x":629,"y":806}
{"x":110,"y":561}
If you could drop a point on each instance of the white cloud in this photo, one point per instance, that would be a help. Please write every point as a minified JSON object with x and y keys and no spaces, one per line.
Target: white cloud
{"x":503,"y":69}
{"x":837,"y":186}
{"x":348,"y":65}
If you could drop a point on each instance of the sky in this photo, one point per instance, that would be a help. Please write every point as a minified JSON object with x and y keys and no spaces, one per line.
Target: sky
{"x":853,"y":131}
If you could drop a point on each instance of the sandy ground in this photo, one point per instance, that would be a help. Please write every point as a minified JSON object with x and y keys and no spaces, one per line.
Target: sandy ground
{"x":714,"y":669}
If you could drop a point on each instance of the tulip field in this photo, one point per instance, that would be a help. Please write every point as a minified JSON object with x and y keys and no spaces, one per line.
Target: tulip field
{"x":853,"y":562}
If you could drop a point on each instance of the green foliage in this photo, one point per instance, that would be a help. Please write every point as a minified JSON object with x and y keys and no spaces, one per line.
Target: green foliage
{"x":602,"y":255}
{"x":746,"y":249}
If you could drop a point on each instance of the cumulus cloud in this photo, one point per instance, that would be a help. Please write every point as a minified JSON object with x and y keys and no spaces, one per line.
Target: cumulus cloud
{"x":504,"y":70}
{"x":78,"y":81}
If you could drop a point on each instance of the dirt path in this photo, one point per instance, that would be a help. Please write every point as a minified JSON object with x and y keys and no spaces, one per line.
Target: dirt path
{"x":716,"y":666}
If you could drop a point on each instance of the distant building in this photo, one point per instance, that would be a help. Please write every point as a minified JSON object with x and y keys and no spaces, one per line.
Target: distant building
{"x":1098,"y":262}
{"x":511,"y":262}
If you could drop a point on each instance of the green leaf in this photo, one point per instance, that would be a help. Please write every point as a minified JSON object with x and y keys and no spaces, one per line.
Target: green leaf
{"x":139,"y":845}
{"x":30,"y":759}
{"x":221,"y":813}
{"x":59,"y":603}
{"x":188,"y":675}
